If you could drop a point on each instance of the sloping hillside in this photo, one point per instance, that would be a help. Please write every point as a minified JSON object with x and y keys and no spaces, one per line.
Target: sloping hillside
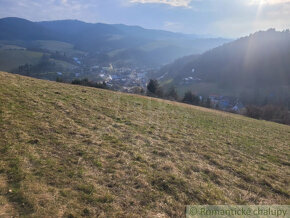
{"x":74,"y":151}
{"x":11,"y":59}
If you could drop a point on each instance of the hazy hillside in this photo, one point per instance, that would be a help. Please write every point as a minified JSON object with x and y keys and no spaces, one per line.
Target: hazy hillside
{"x":74,"y":151}
{"x":21,"y":29}
{"x":10,"y":59}
{"x":257,"y":66}
{"x":98,"y":38}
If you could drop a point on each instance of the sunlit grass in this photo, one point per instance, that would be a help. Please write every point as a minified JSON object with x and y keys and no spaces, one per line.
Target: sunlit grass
{"x":75,"y":151}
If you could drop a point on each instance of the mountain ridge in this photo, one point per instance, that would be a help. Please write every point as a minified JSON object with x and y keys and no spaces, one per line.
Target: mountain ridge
{"x":104,"y":38}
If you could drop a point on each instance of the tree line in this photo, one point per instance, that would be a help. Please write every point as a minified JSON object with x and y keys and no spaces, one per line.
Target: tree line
{"x":155,"y":90}
{"x":270,"y":112}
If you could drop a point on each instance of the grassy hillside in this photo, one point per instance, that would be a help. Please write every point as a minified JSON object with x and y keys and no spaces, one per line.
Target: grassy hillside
{"x":54,"y":46}
{"x":11,"y":59}
{"x":74,"y":151}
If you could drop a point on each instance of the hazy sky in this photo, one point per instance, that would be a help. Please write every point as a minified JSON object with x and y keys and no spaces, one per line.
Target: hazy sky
{"x":228,"y":18}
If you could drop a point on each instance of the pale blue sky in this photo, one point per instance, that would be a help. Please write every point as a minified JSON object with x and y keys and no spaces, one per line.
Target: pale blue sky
{"x":227,"y":18}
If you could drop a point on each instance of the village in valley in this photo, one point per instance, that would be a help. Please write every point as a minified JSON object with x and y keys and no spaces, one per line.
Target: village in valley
{"x":126,"y":78}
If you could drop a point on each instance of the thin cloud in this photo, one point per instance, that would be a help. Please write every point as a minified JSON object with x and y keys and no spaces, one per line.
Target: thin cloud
{"x":174,"y":3}
{"x":268,"y":2}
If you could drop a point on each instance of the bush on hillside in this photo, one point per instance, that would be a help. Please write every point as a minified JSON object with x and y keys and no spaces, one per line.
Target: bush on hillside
{"x":154,"y":89}
{"x":172,"y":94}
{"x":191,"y":98}
{"x":86,"y":82}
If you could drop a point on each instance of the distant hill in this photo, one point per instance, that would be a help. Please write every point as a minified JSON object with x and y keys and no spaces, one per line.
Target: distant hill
{"x":73,"y":151}
{"x":20,"y":29}
{"x":257,"y":65}
{"x":103,"y":38}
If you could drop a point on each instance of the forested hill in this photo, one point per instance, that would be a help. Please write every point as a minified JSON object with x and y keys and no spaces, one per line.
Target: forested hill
{"x":258,"y":64}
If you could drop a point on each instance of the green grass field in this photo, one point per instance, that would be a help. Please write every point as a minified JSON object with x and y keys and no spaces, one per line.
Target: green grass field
{"x":11,"y":59}
{"x":12,"y":56}
{"x":72,"y":151}
{"x":54,"y":46}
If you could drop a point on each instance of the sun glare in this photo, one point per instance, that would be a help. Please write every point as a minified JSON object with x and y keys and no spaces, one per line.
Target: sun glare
{"x":260,"y":4}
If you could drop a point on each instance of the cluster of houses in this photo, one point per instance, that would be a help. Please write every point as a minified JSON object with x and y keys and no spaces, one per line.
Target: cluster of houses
{"x":226,"y":103}
{"x":123,"y":78}
{"x":189,"y":80}
{"x":128,"y":79}
{"x":119,"y":78}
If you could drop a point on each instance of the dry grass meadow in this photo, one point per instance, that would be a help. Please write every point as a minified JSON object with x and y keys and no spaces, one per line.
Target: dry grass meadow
{"x":72,"y":151}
